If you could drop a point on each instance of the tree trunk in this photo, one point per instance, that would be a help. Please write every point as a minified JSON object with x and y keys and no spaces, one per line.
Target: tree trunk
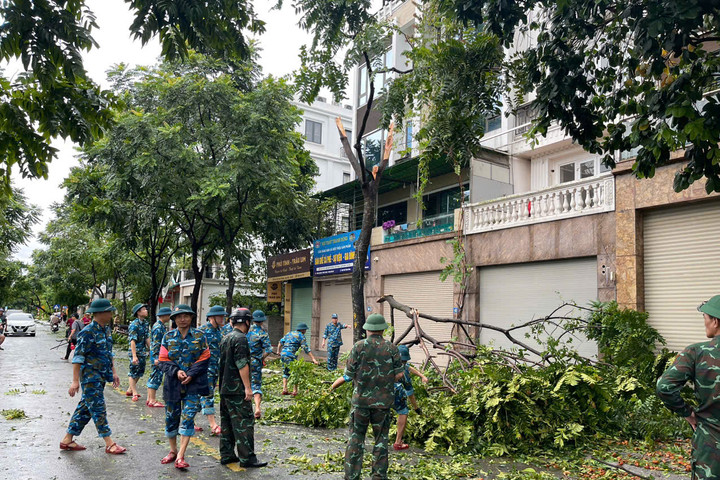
{"x":198,"y":272}
{"x":362,"y":245}
{"x":154,"y":291}
{"x":230,"y":272}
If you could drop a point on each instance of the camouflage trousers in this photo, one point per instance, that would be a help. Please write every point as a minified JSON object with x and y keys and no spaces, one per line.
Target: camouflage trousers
{"x":92,"y":405}
{"x":208,"y":401}
{"x":238,"y":429}
{"x":156,"y":378}
{"x":256,"y":375}
{"x":137,"y":371}
{"x":333,"y":352}
{"x":180,"y":416}
{"x":705,"y":453}
{"x":379,"y":420}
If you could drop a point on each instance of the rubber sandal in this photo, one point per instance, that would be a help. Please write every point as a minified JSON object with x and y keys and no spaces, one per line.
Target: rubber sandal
{"x":400,"y":446}
{"x":154,"y":404}
{"x":128,"y":394}
{"x":216,"y":430}
{"x":294,"y":394}
{"x":181,"y":463}
{"x":170,"y":457}
{"x":198,"y":429}
{"x":285,"y":392}
{"x":118,"y":449}
{"x":69,"y":446}
{"x":135,"y":398}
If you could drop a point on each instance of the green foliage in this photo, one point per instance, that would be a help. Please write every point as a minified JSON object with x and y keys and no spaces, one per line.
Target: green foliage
{"x":13,"y":414}
{"x":14,"y":391}
{"x":16,"y":220}
{"x":120,"y":341}
{"x":618,"y":76}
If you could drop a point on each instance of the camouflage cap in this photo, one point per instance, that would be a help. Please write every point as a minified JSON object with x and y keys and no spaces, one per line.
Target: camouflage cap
{"x":711,"y":307}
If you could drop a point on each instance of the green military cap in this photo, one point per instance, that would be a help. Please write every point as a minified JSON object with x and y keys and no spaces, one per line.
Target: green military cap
{"x":101,"y":305}
{"x":164,"y":311}
{"x":182,"y":308}
{"x":216,"y":311}
{"x":711,"y":307}
{"x":375,"y":323}
{"x":259,"y":316}
{"x":302,"y":326}
{"x":137,"y":307}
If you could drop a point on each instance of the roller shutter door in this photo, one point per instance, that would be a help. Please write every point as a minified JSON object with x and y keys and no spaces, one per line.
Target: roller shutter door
{"x":514,"y":294}
{"x":301,"y":307}
{"x":682,"y":260}
{"x":428,"y":294}
{"x":336,"y":298}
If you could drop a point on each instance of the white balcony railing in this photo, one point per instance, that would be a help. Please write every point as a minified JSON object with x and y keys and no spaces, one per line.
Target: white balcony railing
{"x":583,"y":197}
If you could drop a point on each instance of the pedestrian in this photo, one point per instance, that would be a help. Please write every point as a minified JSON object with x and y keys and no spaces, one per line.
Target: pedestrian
{"x":215,"y":321}
{"x":157,"y":333}
{"x":333,"y":335}
{"x":3,"y":327}
{"x":698,"y":364}
{"x":373,"y":366}
{"x":237,"y":443}
{"x":139,"y":338}
{"x":75,"y":326}
{"x":92,"y":368}
{"x":260,"y":348}
{"x":287,"y":348}
{"x":403,"y":392}
{"x":86,"y":318}
{"x":184,"y":358}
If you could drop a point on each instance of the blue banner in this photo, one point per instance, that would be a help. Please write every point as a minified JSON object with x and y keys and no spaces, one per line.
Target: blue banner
{"x":336,"y":254}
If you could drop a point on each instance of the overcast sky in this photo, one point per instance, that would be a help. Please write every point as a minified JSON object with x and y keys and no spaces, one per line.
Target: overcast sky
{"x":280,"y":46}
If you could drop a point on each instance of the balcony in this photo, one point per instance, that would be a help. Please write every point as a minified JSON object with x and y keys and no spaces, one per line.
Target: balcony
{"x":574,"y":199}
{"x":429,"y":226}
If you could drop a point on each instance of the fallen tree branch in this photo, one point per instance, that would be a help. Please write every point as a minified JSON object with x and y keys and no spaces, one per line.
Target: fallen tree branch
{"x":621,"y":467}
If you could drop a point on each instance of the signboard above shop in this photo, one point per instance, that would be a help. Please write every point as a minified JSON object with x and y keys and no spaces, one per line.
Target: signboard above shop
{"x":336,"y":254}
{"x":289,"y":266}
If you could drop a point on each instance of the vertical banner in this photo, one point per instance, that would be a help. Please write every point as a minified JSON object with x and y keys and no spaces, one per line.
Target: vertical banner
{"x":288,"y":307}
{"x":274,"y":292}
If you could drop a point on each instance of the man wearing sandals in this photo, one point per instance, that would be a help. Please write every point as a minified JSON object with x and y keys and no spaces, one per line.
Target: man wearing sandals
{"x":236,"y":412}
{"x":139,"y":338}
{"x":92,"y":368}
{"x":212,"y":330}
{"x":156,"y":375}
{"x":184,"y":358}
{"x":260,"y":348}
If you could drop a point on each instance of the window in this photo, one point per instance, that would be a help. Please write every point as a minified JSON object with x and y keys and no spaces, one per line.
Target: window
{"x":381,"y":78}
{"x":396,"y":211}
{"x":567,"y":172}
{"x":493,"y":123}
{"x":408,"y":136}
{"x":577,"y":170}
{"x":440,"y":205}
{"x":346,"y":177}
{"x":587,"y":169}
{"x":313,"y":131}
{"x":373,"y":146}
{"x":524,"y":116}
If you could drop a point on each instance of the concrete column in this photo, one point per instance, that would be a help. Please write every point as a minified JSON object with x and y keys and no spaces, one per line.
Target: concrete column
{"x":629,"y":247}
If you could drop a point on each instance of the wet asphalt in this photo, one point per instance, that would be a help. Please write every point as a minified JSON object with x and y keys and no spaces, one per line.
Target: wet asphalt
{"x":35,"y":378}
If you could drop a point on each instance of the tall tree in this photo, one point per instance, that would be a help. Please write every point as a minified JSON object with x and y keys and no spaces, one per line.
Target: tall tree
{"x":16,"y":220}
{"x":618,"y":76}
{"x":54,"y":97}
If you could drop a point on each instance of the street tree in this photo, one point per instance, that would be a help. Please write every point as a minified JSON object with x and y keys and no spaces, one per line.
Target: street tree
{"x":53,"y":95}
{"x":639,"y":76}
{"x":16,"y":220}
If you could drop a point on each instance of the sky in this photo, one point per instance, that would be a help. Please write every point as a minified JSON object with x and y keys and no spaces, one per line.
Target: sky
{"x":280,"y":46}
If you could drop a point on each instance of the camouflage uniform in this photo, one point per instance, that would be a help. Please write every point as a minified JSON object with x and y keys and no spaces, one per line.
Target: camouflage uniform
{"x":184,"y":353}
{"x":259,"y":343}
{"x":236,"y":414}
{"x":333,"y":335}
{"x":292,"y":342}
{"x":156,"y":335}
{"x":372,"y":366}
{"x":700,"y":364}
{"x":139,"y":331}
{"x":94,"y":353}
{"x":213,"y":337}
{"x":227,"y":328}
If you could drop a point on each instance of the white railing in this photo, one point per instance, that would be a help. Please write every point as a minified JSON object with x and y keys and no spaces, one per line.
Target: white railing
{"x":583,"y":197}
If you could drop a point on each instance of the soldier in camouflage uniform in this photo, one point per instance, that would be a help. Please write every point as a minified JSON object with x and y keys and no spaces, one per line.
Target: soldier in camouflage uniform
{"x":260,"y":348}
{"x":139,"y":338}
{"x":184,"y":358}
{"x":92,"y":368}
{"x":212,"y":330}
{"x":373,"y":366}
{"x":403,"y":392}
{"x":287,"y":348}
{"x":156,"y":375}
{"x":333,"y":336}
{"x":236,"y":412}
{"x":699,"y":364}
{"x":227,"y":328}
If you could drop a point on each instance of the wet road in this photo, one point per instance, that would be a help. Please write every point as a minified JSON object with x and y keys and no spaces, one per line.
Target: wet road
{"x":35,"y":378}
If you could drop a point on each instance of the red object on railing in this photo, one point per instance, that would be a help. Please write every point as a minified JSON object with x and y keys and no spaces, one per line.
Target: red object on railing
{"x":529,"y":212}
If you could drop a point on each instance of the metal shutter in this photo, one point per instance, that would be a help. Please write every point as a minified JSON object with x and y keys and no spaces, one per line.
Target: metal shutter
{"x":301,"y":307}
{"x":682,"y":256}
{"x":336,"y":298}
{"x":428,"y":294}
{"x":514,"y":294}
